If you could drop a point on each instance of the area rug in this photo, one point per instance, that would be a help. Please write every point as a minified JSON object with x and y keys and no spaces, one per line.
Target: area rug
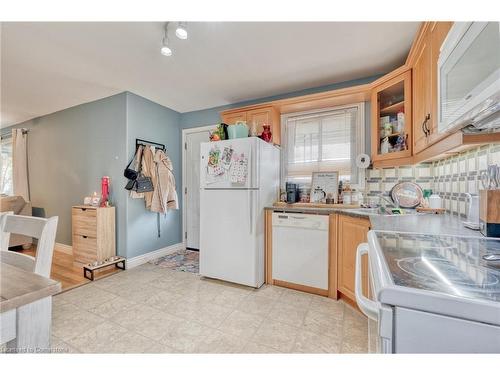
{"x":182,"y":260}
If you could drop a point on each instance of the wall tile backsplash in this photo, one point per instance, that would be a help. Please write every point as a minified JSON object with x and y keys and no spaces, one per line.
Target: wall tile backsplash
{"x":451,"y":178}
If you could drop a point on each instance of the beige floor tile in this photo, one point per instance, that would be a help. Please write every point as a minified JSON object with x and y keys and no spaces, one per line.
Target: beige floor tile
{"x":355,"y":340}
{"x":185,"y":336}
{"x":139,"y":293}
{"x":310,"y":342}
{"x":133,"y":316}
{"x":183,"y":309}
{"x":130,"y":342}
{"x":328,"y":306}
{"x":277,"y":335}
{"x":354,"y":348}
{"x":354,"y":319}
{"x":72,"y":321}
{"x":87,"y":296}
{"x":112,"y":307}
{"x":295,"y":298}
{"x":154,"y":326}
{"x":255,"y":304}
{"x":255,"y":348}
{"x":98,"y":339}
{"x":164,"y":282}
{"x":288,"y":314}
{"x":323,"y":324}
{"x":59,"y":346}
{"x":162,"y":299}
{"x":230,"y":297}
{"x":241,"y":324}
{"x":210,"y":314}
{"x":269,"y":291}
{"x":159,"y":348}
{"x":220,"y":342}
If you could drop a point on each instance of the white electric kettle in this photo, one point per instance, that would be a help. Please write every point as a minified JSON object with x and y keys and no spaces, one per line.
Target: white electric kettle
{"x":473,"y":211}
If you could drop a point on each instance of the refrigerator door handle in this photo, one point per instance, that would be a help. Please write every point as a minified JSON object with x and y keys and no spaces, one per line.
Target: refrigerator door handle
{"x":250,"y":209}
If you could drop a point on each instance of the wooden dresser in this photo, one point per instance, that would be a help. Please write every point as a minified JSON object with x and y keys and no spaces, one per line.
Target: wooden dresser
{"x":93,"y":233}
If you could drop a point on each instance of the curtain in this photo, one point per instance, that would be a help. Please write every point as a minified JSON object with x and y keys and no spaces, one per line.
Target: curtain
{"x":20,"y":163}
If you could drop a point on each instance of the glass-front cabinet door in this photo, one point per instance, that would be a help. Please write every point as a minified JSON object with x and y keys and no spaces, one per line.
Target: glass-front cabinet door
{"x":391,"y":119}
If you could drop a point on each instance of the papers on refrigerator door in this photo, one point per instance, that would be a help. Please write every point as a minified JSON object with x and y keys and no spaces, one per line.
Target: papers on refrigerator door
{"x":239,"y":170}
{"x":214,"y":168}
{"x":226,"y":165}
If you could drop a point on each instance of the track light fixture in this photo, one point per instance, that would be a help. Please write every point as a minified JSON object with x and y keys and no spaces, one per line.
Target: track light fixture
{"x":181,"y":30}
{"x":165,"y":49}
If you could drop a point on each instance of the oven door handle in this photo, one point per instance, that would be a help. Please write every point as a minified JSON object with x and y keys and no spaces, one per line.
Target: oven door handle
{"x":368,"y":307}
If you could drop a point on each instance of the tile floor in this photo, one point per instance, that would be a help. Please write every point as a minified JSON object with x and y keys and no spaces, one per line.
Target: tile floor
{"x":155,"y":310}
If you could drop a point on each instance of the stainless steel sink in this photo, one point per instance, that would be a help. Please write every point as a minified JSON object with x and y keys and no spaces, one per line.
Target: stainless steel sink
{"x":384,"y":212}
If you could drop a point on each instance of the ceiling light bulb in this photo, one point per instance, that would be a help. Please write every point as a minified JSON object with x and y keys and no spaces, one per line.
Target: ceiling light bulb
{"x":181,"y":31}
{"x":166,"y":51}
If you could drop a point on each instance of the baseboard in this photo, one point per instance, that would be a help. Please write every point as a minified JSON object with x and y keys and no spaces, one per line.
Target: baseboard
{"x":62,"y":248}
{"x":144,"y":258}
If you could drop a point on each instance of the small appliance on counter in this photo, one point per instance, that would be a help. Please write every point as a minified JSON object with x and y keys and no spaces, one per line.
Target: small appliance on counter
{"x":489,"y":212}
{"x":292,"y":193}
{"x":472,"y":221}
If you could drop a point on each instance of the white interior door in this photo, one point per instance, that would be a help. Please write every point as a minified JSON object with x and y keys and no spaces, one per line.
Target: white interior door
{"x":192,"y":188}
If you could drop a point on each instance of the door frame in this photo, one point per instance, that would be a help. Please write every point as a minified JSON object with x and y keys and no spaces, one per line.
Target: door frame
{"x":185,"y":132}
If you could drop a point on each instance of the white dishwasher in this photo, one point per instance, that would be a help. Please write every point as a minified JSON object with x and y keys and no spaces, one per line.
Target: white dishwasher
{"x":300,"y":249}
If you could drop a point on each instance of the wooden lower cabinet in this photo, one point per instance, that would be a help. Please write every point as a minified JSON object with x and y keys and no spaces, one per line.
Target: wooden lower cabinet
{"x":351,"y":231}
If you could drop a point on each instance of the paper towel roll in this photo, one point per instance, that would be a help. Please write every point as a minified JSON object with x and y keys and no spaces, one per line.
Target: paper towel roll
{"x":363,"y":161}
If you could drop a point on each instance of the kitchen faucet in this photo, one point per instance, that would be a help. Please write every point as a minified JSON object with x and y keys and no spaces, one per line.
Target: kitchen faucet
{"x":392,"y":203}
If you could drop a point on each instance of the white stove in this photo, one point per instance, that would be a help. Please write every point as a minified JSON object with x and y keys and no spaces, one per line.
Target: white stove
{"x":432,"y":294}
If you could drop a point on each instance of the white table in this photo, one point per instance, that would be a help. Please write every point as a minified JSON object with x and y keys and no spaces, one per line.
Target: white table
{"x":25,"y":309}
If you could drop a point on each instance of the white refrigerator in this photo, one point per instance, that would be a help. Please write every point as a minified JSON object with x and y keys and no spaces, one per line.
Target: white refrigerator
{"x":238,"y":178}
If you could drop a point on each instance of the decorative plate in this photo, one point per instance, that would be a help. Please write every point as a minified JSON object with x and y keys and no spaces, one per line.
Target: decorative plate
{"x":407,"y":194}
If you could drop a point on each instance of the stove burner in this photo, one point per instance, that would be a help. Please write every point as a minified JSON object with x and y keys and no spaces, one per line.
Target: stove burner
{"x":443,"y":271}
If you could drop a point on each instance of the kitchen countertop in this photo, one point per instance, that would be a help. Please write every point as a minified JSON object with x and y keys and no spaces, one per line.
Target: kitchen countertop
{"x":444,"y":224}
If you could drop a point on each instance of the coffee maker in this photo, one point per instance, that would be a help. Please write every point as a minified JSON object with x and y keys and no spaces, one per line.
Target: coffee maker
{"x":292,"y":192}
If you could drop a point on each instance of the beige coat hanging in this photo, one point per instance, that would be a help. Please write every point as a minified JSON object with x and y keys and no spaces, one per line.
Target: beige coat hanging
{"x":164,"y":195}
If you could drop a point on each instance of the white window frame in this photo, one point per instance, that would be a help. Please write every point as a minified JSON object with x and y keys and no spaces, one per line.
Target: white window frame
{"x":360,"y":138}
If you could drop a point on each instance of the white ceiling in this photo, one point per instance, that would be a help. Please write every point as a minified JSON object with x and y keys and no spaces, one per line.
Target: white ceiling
{"x":47,"y":67}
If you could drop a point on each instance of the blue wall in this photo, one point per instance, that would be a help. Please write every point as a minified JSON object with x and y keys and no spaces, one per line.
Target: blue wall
{"x":211,"y":116}
{"x":153,"y":122}
{"x":69,"y":152}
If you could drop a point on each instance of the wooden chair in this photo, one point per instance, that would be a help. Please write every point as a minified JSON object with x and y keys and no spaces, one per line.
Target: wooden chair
{"x":42,"y":229}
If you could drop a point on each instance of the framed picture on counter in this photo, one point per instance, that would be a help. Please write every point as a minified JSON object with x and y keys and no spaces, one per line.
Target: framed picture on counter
{"x":325,"y":185}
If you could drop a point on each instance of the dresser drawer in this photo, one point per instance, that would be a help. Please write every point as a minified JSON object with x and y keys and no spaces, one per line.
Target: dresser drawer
{"x":84,"y":248}
{"x":85,"y":221}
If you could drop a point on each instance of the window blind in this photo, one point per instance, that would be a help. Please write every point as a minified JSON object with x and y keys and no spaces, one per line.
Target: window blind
{"x":322,"y":142}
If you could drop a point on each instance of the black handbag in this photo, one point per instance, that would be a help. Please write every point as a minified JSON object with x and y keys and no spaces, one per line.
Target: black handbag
{"x":143,"y":184}
{"x":130,"y":173}
{"x":130,"y":184}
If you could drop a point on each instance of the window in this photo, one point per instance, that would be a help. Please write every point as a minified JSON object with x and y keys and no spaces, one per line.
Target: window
{"x":6,"y":172}
{"x":321,"y":141}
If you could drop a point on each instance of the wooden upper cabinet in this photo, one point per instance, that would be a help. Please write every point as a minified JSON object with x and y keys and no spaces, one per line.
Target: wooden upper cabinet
{"x":422,"y":94}
{"x":351,"y":233}
{"x":266,"y":115}
{"x":391,"y":119}
{"x":231,"y":118}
